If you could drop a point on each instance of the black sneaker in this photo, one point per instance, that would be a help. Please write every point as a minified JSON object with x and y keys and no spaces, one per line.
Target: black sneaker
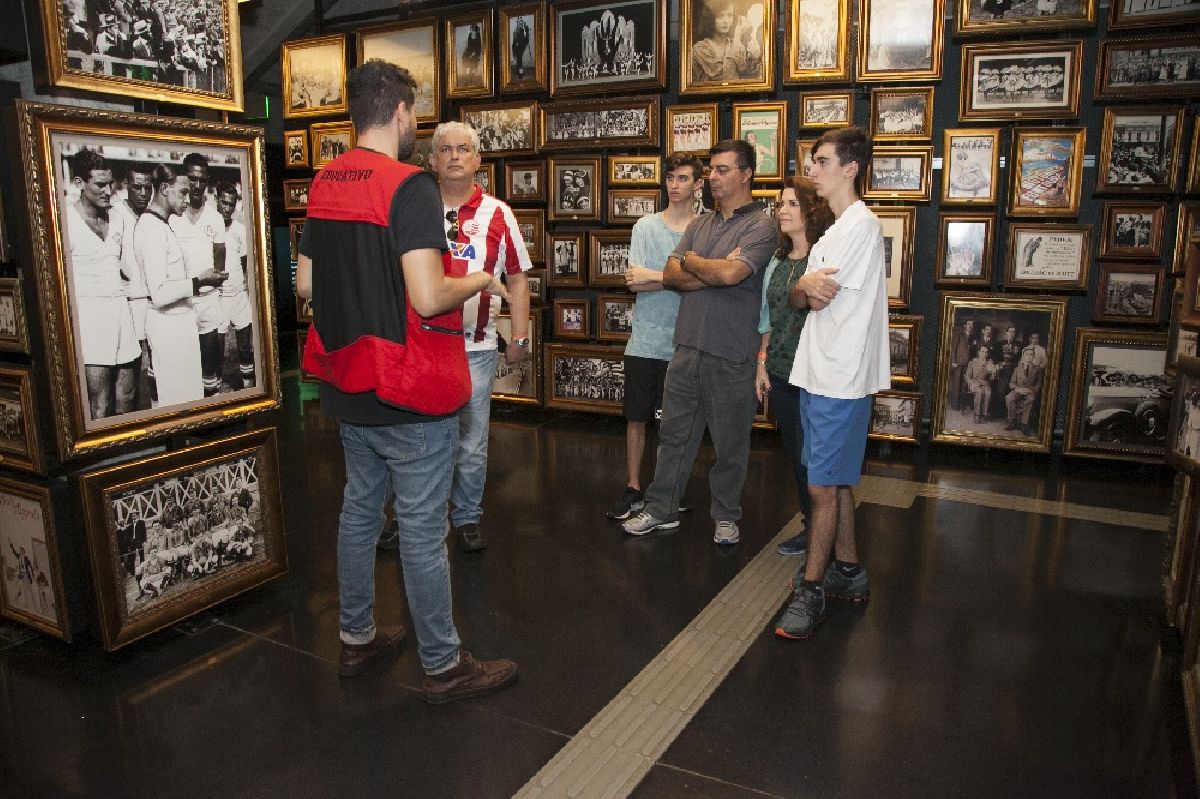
{"x":469,"y":538}
{"x":389,"y":538}
{"x":630,"y":503}
{"x":851,"y":589}
{"x":802,"y":615}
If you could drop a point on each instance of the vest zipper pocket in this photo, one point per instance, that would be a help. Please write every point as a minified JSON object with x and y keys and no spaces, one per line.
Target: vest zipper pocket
{"x":437,"y":329}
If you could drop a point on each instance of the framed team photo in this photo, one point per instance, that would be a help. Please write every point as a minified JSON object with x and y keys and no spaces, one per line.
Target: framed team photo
{"x":899,"y":173}
{"x":32,"y":588}
{"x":584,"y":377}
{"x":521,"y":382}
{"x":99,"y":372}
{"x":173,"y":534}
{"x":503,"y":128}
{"x":984,"y":17}
{"x":566,"y":259}
{"x":1013,"y":81}
{"x":1047,"y":171}
{"x":1048,"y":256}
{"x":469,"y":53}
{"x":619,"y":45}
{"x":826,"y":109}
{"x":900,"y":40}
{"x":574,"y":189}
{"x":14,"y":334}
{"x":572,"y":318}
{"x":413,"y":45}
{"x":904,"y":347}
{"x":614,"y":315}
{"x":899,"y":230}
{"x":525,"y":181}
{"x":1183,"y":436}
{"x":692,"y":128}
{"x":1120,"y":405}
{"x":726,"y":46}
{"x":329,"y":140}
{"x":1133,"y":230}
{"x":817,"y":41}
{"x":20,"y":446}
{"x":970,"y":165}
{"x":627,"y":206}
{"x":998,"y":364}
{"x":295,"y":149}
{"x":635,"y":170}
{"x":764,"y":126}
{"x":523,"y":48}
{"x":123,"y":50}
{"x":295,"y":194}
{"x":588,"y":124}
{"x":896,"y":416}
{"x":902,"y":114}
{"x":608,"y":257}
{"x":1139,"y":150}
{"x":314,"y":76}
{"x":1152,"y":67}
{"x":485,"y":178}
{"x":965,"y":250}
{"x":532,"y":224}
{"x":1129,"y":294}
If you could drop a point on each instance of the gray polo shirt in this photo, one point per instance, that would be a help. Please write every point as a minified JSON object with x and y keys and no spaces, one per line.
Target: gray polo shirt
{"x":723,"y":320}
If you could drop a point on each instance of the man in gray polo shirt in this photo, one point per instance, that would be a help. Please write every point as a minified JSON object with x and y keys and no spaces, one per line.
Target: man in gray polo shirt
{"x":717,"y":267}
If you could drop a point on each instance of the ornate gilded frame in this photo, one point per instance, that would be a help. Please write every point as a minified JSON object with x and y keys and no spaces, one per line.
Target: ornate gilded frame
{"x":304,"y":160}
{"x":416,"y":46}
{"x":867,"y":13}
{"x":318,"y":130}
{"x":762,"y":81}
{"x":1187,"y":227}
{"x":774,"y":112}
{"x":537,"y":42}
{"x":808,"y":120}
{"x":23,"y":453}
{"x":335,"y":43}
{"x":652,"y":161}
{"x":18,"y":340}
{"x":455,"y":91}
{"x":922,"y":193}
{"x":1024,"y":198}
{"x":550,"y":140}
{"x":288,"y":186}
{"x":1062,"y":263}
{"x":839,"y":71}
{"x":1105,"y":164}
{"x":1068,"y":52}
{"x":880,"y":94}
{"x":984,"y":279}
{"x":961,"y":146}
{"x":714,"y":127}
{"x":966,"y":25}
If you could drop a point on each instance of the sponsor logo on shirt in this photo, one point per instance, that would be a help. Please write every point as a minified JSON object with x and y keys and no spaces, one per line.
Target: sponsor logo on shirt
{"x":462,"y":250}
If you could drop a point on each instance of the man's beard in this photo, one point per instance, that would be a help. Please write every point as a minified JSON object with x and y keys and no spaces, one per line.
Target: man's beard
{"x":404,"y":148}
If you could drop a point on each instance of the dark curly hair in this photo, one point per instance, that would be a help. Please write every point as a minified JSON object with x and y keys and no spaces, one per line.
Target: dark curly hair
{"x":817,"y":214}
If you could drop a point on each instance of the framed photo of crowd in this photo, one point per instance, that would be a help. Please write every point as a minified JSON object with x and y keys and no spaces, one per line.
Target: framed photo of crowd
{"x":520,"y":382}
{"x":503,"y":128}
{"x":99,"y":374}
{"x":586,"y":124}
{"x":598,"y":47}
{"x":964,"y":254}
{"x":1133,"y":230}
{"x":1010,"y":81}
{"x":900,"y":40}
{"x":32,"y":589}
{"x":14,"y":334}
{"x":984,"y":17}
{"x":726,"y":46}
{"x":817,"y":47}
{"x":902,"y":114}
{"x":1150,"y":67}
{"x":1139,"y":150}
{"x":314,"y":76}
{"x":1138,"y":14}
{"x":469,"y":49}
{"x":826,"y":109}
{"x":523,"y":48}
{"x":413,"y":45}
{"x":608,"y":257}
{"x":584,"y":377}
{"x":1047,"y":171}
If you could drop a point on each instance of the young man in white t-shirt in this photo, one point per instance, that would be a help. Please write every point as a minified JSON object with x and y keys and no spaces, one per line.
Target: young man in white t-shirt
{"x":841,"y":361}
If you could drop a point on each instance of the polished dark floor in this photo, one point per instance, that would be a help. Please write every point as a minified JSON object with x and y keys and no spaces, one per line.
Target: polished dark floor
{"x":1004,"y":653}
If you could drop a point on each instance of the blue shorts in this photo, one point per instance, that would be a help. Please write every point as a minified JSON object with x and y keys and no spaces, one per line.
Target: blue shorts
{"x":835,"y":438}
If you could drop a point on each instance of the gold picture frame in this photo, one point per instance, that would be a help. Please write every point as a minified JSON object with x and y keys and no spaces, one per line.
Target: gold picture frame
{"x":1133,"y":230}
{"x":896,"y":416}
{"x":416,"y":46}
{"x":1132,"y":163}
{"x":1190,"y":312}
{"x":904,"y":347}
{"x":20,"y":438}
{"x":1137,"y":14}
{"x":33,"y":588}
{"x":295,"y":194}
{"x":512,"y":118}
{"x":588,"y":124}
{"x":1145,"y":68}
{"x":329,"y":140}
{"x":584,"y":377}
{"x":309,"y":65}
{"x":572,"y":318}
{"x":965,"y":250}
{"x":1047,"y":257}
{"x":469,"y":46}
{"x":804,"y":150}
{"x":692,"y":128}
{"x":1129,"y":294}
{"x":970,"y":166}
{"x":607,"y":46}
{"x":899,"y":226}
{"x":764,"y":127}
{"x":523,"y":48}
{"x":826,"y":109}
{"x":811,"y":56}
{"x":14,"y":332}
{"x":902,"y":113}
{"x":574,"y":185}
{"x":706,"y":66}
{"x":627,"y":206}
{"x":975,"y":18}
{"x":1187,"y":227}
{"x":1191,"y":182}
{"x":899,"y":173}
{"x":990,"y":90}
{"x":295,"y":149}
{"x":635,"y":170}
{"x":1047,"y":171}
{"x":520,"y":383}
{"x":882,"y":59}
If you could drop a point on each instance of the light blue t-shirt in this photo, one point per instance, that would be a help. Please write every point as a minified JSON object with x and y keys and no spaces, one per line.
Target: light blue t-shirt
{"x":654,"y":312}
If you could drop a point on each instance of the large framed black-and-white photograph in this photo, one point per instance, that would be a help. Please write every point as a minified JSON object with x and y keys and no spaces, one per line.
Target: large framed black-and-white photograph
{"x":1150,"y":67}
{"x":1139,"y":150}
{"x":1020,"y":80}
{"x":1128,"y":294}
{"x":904,"y":347}
{"x":314,"y":76}
{"x":817,"y":41}
{"x":523,"y":48}
{"x":520,"y":382}
{"x":1138,"y":14}
{"x":970,"y":165}
{"x":983,"y":17}
{"x":14,"y":335}
{"x":584,"y":377}
{"x":187,"y":53}
{"x":173,"y":534}
{"x":20,"y":445}
{"x":607,"y":46}
{"x":726,"y":46}
{"x":1048,"y":256}
{"x":900,"y":40}
{"x":503,"y":128}
{"x":896,"y":416}
{"x":32,"y":589}
{"x":965,"y":250}
{"x":608,"y":257}
{"x":574,"y":189}
{"x":587,"y":124}
{"x":469,"y":49}
{"x":414,"y":46}
{"x":566,"y":259}
{"x":151,"y":355}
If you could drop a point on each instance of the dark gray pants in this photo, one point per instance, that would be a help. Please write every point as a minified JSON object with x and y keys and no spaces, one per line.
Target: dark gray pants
{"x":703,"y":390}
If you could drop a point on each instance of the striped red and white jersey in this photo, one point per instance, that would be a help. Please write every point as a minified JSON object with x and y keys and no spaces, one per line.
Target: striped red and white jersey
{"x":488,"y":240}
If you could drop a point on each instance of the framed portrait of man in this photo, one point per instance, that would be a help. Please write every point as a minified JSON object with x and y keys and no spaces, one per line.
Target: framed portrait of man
{"x":1047,"y":171}
{"x":900,"y":40}
{"x":970,"y":164}
{"x":726,"y":46}
{"x":314,"y":76}
{"x":1014,"y":81}
{"x":607,"y":46}
{"x":413,"y":45}
{"x":817,"y":41}
{"x":1139,"y":150}
{"x":1148,"y":67}
{"x":469,"y":48}
{"x":525,"y":181}
{"x":523,"y":48}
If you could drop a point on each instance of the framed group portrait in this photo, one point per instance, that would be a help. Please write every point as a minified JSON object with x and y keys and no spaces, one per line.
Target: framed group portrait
{"x":1150,"y":67}
{"x":608,"y":257}
{"x":902,"y":114}
{"x":1132,"y":230}
{"x":614,"y":316}
{"x":20,"y":445}
{"x":1138,"y":14}
{"x":1047,"y":171}
{"x":523,"y":48}
{"x":525,"y":181}
{"x":329,"y":140}
{"x":469,"y":49}
{"x":998,"y":364}
{"x":964,"y":255}
{"x":826,"y":109}
{"x":295,"y":194}
{"x":79,"y":164}
{"x":984,"y":17}
{"x":900,"y":40}
{"x":692,"y":128}
{"x":1183,"y":436}
{"x":1129,"y":294}
{"x":1047,"y":257}
{"x":1120,"y":403}
{"x":572,"y":318}
{"x":635,"y":170}
{"x":128,"y":51}
{"x":566,"y":259}
{"x":970,"y":166}
{"x":520,"y":382}
{"x":764,"y":127}
{"x":896,"y":416}
{"x":899,"y":173}
{"x":1011,"y":81}
{"x":817,"y":48}
{"x":627,"y":206}
{"x":503,"y":128}
{"x":532,"y":224}
{"x":574,"y":189}
{"x":587,"y":124}
{"x":608,"y":46}
{"x":314,"y":76}
{"x":14,"y":333}
{"x":584,"y":377}
{"x":32,"y":588}
{"x":904,"y":347}
{"x":1139,"y":150}
{"x":726,"y":46}
{"x":295,"y":149}
{"x":899,"y":225}
{"x":173,"y":534}
{"x":413,"y":45}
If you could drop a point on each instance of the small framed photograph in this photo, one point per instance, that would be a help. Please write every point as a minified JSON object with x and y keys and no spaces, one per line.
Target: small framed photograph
{"x":1048,"y":256}
{"x":314,"y":76}
{"x":422,"y":150}
{"x":1133,"y":230}
{"x":304,"y":309}
{"x":586,"y":124}
{"x":899,"y":173}
{"x":1191,"y":183}
{"x":1181,"y":342}
{"x":295,"y":194}
{"x":503,"y":128}
{"x":1120,"y":404}
{"x":485,"y":178}
{"x":1139,"y":150}
{"x":1047,"y":171}
{"x":627,"y":206}
{"x":525,"y":181}
{"x":574,"y":189}
{"x":1187,"y":227}
{"x":900,"y":40}
{"x":804,"y":149}
{"x":413,"y":45}
{"x":998,"y":365}
{"x":608,"y":257}
{"x":536,"y":280}
{"x":767,"y":197}
{"x":520,"y":382}
{"x":615,"y":315}
{"x":583,"y":377}
{"x":523,"y":48}
{"x":566,"y":260}
{"x":818,"y":38}
{"x":1151,"y":67}
{"x":826,"y":109}
{"x":899,"y":228}
{"x":295,"y":149}
{"x":904,"y":347}
{"x":692,"y":128}
{"x":902,"y":114}
{"x":1013,"y":81}
{"x":726,"y":48}
{"x":970,"y":164}
{"x":984,"y":17}
{"x":896,"y":416}
{"x":614,"y":46}
{"x":173,"y":534}
{"x":635,"y":170}
{"x":20,"y":447}
{"x":532,"y":224}
{"x":295,"y":231}
{"x":32,"y":588}
{"x":764,"y":126}
{"x":469,"y":47}
{"x":1129,"y":295}
{"x":1183,"y":438}
{"x":572,"y":318}
{"x":329,"y":140}
{"x":14,"y":335}
{"x":965,"y":250}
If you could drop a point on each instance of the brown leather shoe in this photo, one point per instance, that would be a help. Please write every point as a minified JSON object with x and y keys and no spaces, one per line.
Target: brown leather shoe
{"x":470,"y":677}
{"x":356,"y":657}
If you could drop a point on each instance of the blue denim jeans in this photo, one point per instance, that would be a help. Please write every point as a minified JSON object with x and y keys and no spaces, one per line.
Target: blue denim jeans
{"x":470,"y":466}
{"x":416,"y":461}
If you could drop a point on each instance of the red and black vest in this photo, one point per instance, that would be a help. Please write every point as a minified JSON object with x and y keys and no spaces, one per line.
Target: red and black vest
{"x":365,"y":335}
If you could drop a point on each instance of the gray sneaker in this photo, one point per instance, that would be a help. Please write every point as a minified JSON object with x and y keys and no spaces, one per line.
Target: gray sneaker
{"x":802,"y":615}
{"x":726,"y":532}
{"x":644,"y":523}
{"x":839,"y":586}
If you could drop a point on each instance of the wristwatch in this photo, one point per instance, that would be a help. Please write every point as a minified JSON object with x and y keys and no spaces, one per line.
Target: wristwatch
{"x":520,"y":342}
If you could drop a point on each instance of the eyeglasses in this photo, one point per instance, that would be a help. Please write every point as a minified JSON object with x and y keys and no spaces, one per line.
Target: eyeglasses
{"x":452,"y":218}
{"x":786,"y":203}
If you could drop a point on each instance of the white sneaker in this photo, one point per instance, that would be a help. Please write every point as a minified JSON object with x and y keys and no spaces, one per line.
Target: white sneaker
{"x":644,"y":523}
{"x":727,"y":532}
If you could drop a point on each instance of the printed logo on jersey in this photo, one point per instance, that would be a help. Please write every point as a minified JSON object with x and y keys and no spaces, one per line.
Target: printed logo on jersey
{"x":463,"y":250}
{"x":472,"y":228}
